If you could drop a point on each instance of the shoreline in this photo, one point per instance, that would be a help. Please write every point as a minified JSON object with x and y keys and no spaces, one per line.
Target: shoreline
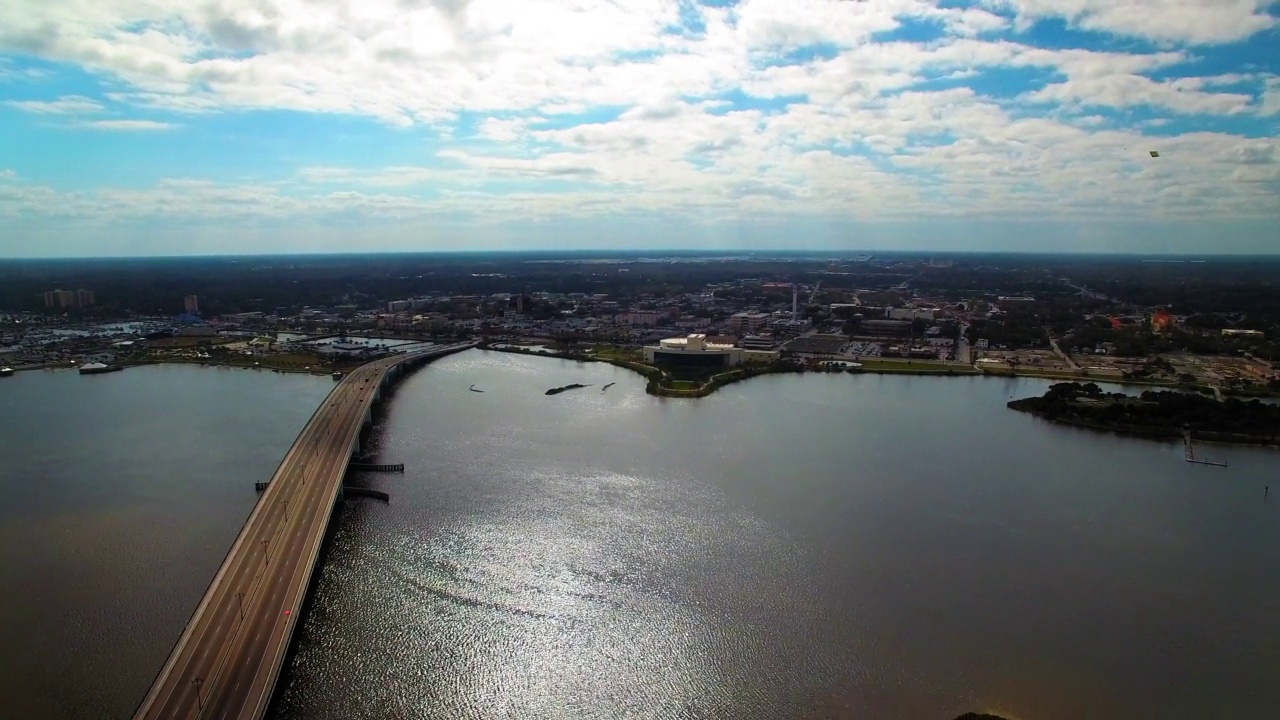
{"x":729,"y":376}
{"x":925,"y":369}
{"x":1158,"y":434}
{"x":56,"y":367}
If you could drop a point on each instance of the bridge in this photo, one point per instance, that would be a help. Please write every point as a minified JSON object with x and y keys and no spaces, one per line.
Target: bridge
{"x":229,"y":656}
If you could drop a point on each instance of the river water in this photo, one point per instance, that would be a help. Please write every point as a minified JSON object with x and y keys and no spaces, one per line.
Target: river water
{"x":122,"y":494}
{"x":790,"y":547}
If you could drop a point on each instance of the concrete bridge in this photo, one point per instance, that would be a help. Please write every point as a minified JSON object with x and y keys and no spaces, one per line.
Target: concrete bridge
{"x":228,"y":658}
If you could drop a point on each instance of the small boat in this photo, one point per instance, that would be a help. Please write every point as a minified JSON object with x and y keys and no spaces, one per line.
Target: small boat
{"x":473,"y":389}
{"x":337,"y":374}
{"x":6,"y":371}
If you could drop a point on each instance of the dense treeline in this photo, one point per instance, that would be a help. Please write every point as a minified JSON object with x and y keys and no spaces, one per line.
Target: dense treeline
{"x":1157,"y":413}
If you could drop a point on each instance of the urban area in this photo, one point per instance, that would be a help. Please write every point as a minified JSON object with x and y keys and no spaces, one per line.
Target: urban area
{"x":688,"y":323}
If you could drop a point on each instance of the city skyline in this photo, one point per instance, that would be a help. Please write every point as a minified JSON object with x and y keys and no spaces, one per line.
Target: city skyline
{"x":132,"y":128}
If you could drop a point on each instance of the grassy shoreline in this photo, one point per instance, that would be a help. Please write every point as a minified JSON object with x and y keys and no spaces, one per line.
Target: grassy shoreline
{"x":868,"y":367}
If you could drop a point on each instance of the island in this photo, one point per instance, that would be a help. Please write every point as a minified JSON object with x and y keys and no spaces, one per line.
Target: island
{"x":1157,"y":414}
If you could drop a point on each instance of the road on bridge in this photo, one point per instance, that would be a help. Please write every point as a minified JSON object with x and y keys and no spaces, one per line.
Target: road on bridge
{"x":228,"y":658}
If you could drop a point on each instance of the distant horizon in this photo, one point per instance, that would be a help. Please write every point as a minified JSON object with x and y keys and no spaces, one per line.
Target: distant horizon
{"x":626,"y":253}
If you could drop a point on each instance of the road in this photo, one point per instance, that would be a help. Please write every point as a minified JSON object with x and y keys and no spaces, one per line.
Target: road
{"x":227,"y":660}
{"x":1053,"y":343}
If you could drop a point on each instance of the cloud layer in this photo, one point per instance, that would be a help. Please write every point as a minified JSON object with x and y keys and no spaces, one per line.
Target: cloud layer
{"x":910,"y":113}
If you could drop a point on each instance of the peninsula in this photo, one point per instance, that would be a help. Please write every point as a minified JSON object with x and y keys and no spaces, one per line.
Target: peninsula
{"x":1157,"y":414}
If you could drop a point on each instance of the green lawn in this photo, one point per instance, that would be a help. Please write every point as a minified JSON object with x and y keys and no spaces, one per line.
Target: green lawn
{"x":913,"y":365}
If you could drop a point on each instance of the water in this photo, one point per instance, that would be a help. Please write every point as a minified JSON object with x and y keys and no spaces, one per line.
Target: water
{"x":790,"y":547}
{"x":122,"y":494}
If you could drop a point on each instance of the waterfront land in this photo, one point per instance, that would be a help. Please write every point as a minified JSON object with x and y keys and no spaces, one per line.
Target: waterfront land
{"x":1208,"y":325}
{"x":1157,"y":414}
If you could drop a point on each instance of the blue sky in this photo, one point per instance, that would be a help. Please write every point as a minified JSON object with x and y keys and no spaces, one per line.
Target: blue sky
{"x":137,"y":127}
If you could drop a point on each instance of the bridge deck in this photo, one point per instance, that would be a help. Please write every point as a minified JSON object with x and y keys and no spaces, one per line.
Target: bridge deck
{"x":228,"y":658}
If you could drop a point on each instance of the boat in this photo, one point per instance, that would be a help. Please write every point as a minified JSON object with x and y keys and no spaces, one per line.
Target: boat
{"x":97,"y":368}
{"x":473,"y":389}
{"x":337,"y":374}
{"x":6,"y":371}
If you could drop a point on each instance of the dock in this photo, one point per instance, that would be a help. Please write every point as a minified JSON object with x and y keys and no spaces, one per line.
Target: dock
{"x":1189,"y":452}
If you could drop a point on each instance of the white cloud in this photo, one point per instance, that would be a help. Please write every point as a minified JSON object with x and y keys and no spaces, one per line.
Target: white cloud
{"x":7,"y":174}
{"x":1194,"y":21}
{"x":504,"y":130}
{"x":866,"y":133}
{"x":129,"y":125}
{"x":1183,"y":95}
{"x":65,"y":105}
{"x":1271,"y":98}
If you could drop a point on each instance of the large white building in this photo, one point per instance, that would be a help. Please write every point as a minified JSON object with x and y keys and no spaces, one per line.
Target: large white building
{"x":695,"y":351}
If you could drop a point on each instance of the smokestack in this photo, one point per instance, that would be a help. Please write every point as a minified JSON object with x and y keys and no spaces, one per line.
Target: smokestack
{"x":795,"y":302}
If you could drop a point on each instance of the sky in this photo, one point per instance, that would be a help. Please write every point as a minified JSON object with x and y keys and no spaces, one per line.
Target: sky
{"x":144,"y":127}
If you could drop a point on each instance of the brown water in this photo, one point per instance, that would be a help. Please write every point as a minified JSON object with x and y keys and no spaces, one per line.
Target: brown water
{"x":122,"y":494}
{"x":789,"y":547}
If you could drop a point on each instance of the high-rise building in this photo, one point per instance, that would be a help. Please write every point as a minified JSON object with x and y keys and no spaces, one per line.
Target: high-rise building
{"x":191,"y":304}
{"x":58,"y":298}
{"x":79,"y":299}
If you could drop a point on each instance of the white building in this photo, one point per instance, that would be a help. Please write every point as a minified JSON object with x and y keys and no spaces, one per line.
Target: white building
{"x":695,"y":351}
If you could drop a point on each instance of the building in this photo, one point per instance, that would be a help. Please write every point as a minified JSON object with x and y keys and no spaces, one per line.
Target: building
{"x":757,"y":342}
{"x":59,"y":299}
{"x":910,"y":313}
{"x":694,"y":351}
{"x":1233,"y":332}
{"x":884,"y":327}
{"x":399,"y":306}
{"x":78,"y":299}
{"x":746,"y":322}
{"x":1163,"y":322}
{"x":641,"y":318}
{"x":191,"y":305}
{"x":790,"y":327}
